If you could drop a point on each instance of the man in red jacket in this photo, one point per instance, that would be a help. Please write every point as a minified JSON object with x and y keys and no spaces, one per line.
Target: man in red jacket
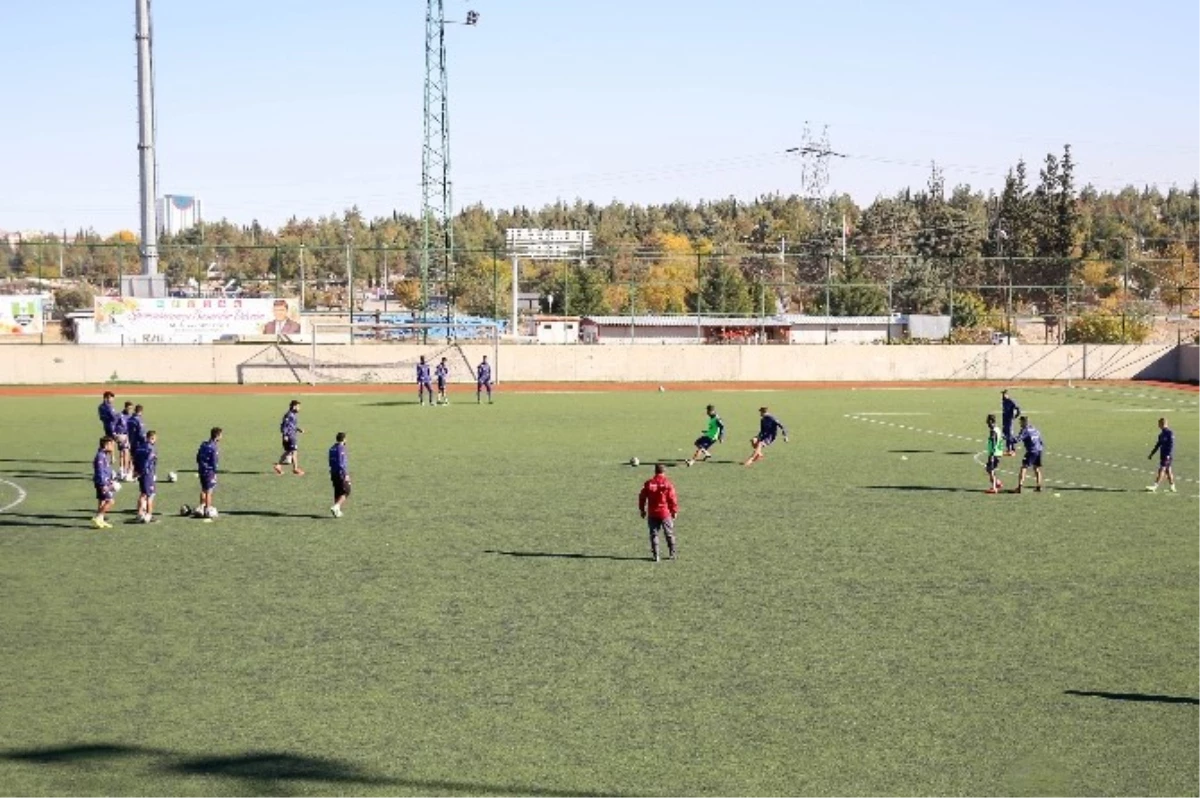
{"x":659,"y":506}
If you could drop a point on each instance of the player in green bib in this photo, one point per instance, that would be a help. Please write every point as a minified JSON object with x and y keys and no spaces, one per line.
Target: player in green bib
{"x":995,"y":450}
{"x":713,"y":434}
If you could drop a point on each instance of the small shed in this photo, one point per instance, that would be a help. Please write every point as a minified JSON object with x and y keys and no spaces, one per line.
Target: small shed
{"x":556,"y":329}
{"x":844,"y":329}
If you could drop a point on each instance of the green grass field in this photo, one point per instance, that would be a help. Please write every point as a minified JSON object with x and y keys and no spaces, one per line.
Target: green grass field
{"x":850,"y":616}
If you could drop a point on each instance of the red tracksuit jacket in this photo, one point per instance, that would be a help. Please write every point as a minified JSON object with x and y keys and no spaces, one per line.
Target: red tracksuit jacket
{"x":657,"y":498}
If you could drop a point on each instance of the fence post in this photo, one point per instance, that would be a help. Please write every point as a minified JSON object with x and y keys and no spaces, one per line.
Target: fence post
{"x":495,"y":286}
{"x":699,"y":296}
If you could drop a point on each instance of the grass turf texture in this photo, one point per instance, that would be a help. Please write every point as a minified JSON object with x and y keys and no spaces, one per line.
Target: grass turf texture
{"x":484,"y":619}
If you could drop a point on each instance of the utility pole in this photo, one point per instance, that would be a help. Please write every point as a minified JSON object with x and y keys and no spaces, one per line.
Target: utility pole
{"x":146,"y":165}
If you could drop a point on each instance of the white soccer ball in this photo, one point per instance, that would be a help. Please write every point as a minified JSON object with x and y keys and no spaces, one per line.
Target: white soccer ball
{"x":172,"y":477}
{"x":116,"y":486}
{"x":211,"y":512}
{"x":661,"y":389}
{"x":633,"y":461}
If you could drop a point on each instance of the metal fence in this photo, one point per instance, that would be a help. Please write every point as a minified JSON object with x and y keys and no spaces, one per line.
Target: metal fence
{"x":980,"y":293}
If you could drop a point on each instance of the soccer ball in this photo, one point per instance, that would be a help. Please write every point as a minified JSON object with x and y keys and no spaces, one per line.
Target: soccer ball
{"x":185,"y":511}
{"x":633,"y":461}
{"x":116,"y":486}
{"x":211,"y":512}
{"x":172,"y":477}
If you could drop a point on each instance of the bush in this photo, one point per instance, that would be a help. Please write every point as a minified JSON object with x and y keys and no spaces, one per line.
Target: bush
{"x":69,"y":300}
{"x":969,"y":310}
{"x":1106,"y":328}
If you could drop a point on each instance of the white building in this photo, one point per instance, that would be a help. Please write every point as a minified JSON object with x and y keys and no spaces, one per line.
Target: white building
{"x":177,"y":213}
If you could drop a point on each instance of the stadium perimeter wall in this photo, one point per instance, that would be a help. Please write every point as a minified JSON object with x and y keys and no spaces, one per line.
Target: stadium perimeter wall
{"x":258,"y":364}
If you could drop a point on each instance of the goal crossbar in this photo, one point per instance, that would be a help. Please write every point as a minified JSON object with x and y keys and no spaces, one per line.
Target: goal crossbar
{"x":342,"y":351}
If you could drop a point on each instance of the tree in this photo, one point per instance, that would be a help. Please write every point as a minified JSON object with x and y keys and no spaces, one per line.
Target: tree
{"x":853,"y":295}
{"x":723,"y":291}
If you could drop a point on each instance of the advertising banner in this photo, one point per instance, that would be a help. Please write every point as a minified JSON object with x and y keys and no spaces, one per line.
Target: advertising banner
{"x":21,"y":315}
{"x":193,"y":321}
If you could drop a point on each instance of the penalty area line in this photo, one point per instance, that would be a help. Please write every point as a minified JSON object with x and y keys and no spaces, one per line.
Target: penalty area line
{"x":20,"y":495}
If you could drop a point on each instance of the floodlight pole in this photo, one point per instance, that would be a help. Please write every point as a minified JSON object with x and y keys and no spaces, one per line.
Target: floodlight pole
{"x":146,"y":167}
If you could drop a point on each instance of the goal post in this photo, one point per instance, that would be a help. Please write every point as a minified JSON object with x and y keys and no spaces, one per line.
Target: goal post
{"x":388,"y":352}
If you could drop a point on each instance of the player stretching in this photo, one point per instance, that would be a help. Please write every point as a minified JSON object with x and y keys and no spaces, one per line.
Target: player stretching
{"x":339,"y":474}
{"x":207,"y":457}
{"x":145,"y":462}
{"x":483,"y":379}
{"x":995,"y":448}
{"x":712,"y":435}
{"x":1008,"y":412}
{"x":121,"y":436}
{"x":102,"y":479}
{"x":1034,"y":446}
{"x":290,"y":430}
{"x":423,"y":385}
{"x":136,"y":430}
{"x":442,"y":372}
{"x":1165,"y":446}
{"x":659,"y":505}
{"x":768,"y":428}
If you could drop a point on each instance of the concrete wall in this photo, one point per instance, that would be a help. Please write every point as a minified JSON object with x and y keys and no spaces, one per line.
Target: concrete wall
{"x":1189,"y":363}
{"x":529,"y":363}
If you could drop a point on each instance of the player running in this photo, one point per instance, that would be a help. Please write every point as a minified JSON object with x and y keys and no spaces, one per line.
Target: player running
{"x":102,"y":479}
{"x":1165,"y":447}
{"x":483,"y":379}
{"x":995,"y":449}
{"x":121,"y":436}
{"x":1008,"y":412}
{"x":207,"y":458}
{"x":768,"y":428}
{"x":289,"y":430}
{"x":1034,"y":446}
{"x":713,"y":434}
{"x":339,"y":474}
{"x":145,"y":462}
{"x":659,"y":505}
{"x":442,"y":372}
{"x":423,"y":385}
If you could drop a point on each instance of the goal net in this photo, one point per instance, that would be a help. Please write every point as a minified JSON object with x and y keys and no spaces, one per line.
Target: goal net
{"x":367,"y":353}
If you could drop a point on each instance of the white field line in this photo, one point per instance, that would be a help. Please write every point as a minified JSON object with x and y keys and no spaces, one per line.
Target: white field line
{"x":863,"y":413}
{"x":1192,"y":402}
{"x":1052,"y":454}
{"x":1046,"y":480}
{"x":20,"y":495}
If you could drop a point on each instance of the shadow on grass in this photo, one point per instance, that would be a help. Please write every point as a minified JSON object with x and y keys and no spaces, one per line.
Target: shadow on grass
{"x":938,"y":488}
{"x":1085,"y":488}
{"x":959,"y":452}
{"x":50,"y":462}
{"x":675,"y":462}
{"x":910,"y":451}
{"x":266,"y":772}
{"x":47,"y":520}
{"x":564,"y":556}
{"x":271,"y":514}
{"x":398,"y":403}
{"x":1152,"y":699}
{"x":49,"y":475}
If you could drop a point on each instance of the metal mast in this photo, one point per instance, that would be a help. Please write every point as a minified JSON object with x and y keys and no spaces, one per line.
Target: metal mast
{"x":437,"y":250}
{"x":146,"y":161}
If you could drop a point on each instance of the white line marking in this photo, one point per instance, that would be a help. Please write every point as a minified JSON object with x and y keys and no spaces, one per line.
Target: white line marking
{"x":1153,"y":397}
{"x":861,"y":413}
{"x":1142,"y":409}
{"x":20,"y":495}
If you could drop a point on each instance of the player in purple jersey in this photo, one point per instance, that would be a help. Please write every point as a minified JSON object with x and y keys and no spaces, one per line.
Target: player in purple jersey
{"x":121,"y":436}
{"x":1009,"y":410}
{"x":768,"y":428}
{"x":136,"y":430}
{"x":423,"y":385}
{"x":1034,"y":446}
{"x":483,"y":379}
{"x":339,"y":474}
{"x":145,"y":462}
{"x":1165,"y":447}
{"x":442,"y":372}
{"x":102,"y":480}
{"x":207,"y":457}
{"x":289,"y":431}
{"x":108,"y":413}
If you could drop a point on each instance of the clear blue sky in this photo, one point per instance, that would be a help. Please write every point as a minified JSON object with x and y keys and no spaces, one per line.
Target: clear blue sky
{"x":269,"y":108}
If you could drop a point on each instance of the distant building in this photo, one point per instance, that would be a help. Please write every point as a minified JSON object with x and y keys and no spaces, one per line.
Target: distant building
{"x":177,"y":213}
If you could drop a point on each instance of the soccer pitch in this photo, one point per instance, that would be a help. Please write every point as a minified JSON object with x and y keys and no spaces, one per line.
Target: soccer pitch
{"x":850,"y":616}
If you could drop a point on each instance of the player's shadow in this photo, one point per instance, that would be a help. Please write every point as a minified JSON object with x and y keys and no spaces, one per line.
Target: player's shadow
{"x":958,"y":452}
{"x":561,"y":555}
{"x":40,"y":520}
{"x":936,"y":488}
{"x":398,"y":403}
{"x":43,"y":462}
{"x":1153,"y":699}
{"x":676,"y":462}
{"x":50,"y":475}
{"x":270,"y":514}
{"x":910,"y":451}
{"x":264,"y":772}
{"x":1083,"y":488}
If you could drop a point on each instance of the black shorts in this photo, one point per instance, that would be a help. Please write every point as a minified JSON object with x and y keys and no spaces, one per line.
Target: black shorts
{"x":993,"y":463}
{"x":704,"y":442}
{"x":104,"y":493}
{"x":341,"y":486}
{"x":1164,"y":461}
{"x":290,"y":444}
{"x":1032,"y":460}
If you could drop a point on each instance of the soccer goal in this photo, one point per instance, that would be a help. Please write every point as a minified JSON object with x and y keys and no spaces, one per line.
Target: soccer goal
{"x":388,"y":352}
